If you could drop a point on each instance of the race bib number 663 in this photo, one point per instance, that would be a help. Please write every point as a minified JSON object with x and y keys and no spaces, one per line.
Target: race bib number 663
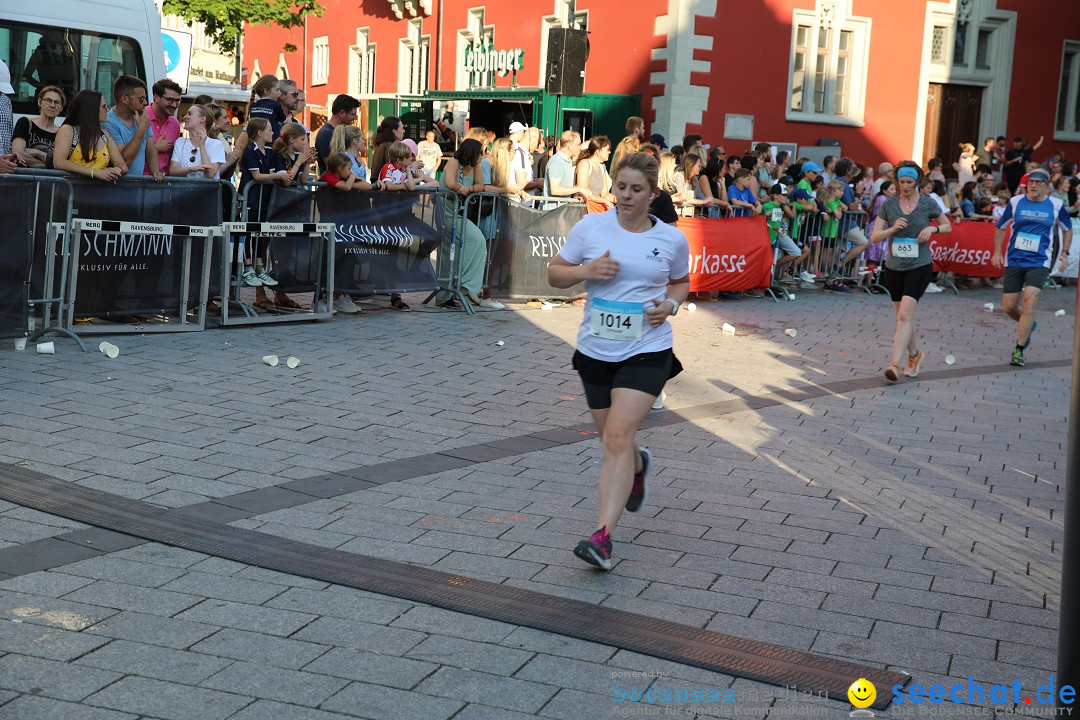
{"x":905,"y":247}
{"x":616,"y":320}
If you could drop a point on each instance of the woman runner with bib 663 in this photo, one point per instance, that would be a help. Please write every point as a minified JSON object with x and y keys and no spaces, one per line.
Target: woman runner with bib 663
{"x":905,"y":220}
{"x":636,"y":271}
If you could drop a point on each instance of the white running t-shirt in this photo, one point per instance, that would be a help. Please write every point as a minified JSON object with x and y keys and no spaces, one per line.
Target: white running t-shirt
{"x":647,"y":261}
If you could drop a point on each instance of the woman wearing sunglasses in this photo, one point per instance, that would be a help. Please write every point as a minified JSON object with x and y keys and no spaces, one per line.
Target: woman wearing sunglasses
{"x":198,"y":154}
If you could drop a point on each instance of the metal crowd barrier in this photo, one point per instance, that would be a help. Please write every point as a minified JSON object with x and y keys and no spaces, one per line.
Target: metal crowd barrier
{"x":33,"y":202}
{"x":134,"y":234}
{"x":105,"y":233}
{"x":452,"y":211}
{"x":105,"y":272}
{"x":825,"y":261}
{"x":521,"y":240}
{"x":288,"y":217}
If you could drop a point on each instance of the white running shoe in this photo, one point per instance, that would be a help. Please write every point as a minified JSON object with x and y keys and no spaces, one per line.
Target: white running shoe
{"x":933,"y":288}
{"x":344,"y":304}
{"x":490,"y":303}
{"x":265,"y":279}
{"x":806,"y":277}
{"x":250,"y":278}
{"x":659,"y":404}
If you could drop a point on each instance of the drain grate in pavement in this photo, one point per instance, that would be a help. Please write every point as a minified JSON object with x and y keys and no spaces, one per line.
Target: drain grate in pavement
{"x":639,"y":633}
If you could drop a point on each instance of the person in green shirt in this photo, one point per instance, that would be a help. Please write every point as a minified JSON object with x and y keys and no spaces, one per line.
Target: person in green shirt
{"x":779,"y":216}
{"x":830,"y":197}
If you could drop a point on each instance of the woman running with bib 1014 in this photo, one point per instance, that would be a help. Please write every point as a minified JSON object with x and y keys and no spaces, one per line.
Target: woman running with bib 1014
{"x":905,"y":221}
{"x":636,"y":271}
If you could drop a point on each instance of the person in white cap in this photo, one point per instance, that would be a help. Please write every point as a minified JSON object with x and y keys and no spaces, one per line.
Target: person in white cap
{"x":7,"y":118}
{"x":521,"y":165}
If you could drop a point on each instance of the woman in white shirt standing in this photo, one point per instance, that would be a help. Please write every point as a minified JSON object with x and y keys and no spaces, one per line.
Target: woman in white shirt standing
{"x":198,"y":154}
{"x":636,"y":271}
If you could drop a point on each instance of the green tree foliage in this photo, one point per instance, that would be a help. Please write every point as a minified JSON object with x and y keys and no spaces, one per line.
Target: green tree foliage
{"x":224,"y":19}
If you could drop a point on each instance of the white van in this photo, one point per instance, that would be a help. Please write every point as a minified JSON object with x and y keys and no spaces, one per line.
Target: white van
{"x":78,"y":44}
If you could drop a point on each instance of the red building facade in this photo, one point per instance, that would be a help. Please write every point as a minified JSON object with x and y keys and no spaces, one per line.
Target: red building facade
{"x":887,"y":80}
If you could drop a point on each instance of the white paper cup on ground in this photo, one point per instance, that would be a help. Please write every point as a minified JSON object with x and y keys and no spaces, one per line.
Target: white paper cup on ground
{"x":270,"y":360}
{"x":691,"y":307}
{"x":292,"y":363}
{"x":1060,"y":313}
{"x":20,"y":343}
{"x":112,"y":352}
{"x":791,"y":332}
{"x":989,"y":307}
{"x":728,"y":328}
{"x":46,"y":348}
{"x":950,"y":359}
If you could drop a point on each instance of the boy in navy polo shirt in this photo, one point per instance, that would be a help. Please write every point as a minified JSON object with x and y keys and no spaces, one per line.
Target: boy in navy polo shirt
{"x":1028,"y":257}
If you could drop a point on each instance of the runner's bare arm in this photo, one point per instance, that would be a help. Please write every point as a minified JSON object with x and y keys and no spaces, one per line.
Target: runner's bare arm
{"x":562,"y":274}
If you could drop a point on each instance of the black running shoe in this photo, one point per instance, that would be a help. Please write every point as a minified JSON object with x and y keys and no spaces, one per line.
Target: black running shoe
{"x":596,"y":550}
{"x":639,"y":495}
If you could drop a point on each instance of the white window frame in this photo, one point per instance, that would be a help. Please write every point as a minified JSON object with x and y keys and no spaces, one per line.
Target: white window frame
{"x":1072,"y":114}
{"x":835,"y":16}
{"x":320,"y":60}
{"x":414,"y":66}
{"x":362,"y":64}
{"x":476,"y":29}
{"x":282,"y":71}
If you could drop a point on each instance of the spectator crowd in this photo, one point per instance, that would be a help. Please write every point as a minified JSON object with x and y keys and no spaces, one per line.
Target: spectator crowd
{"x":818,"y":214}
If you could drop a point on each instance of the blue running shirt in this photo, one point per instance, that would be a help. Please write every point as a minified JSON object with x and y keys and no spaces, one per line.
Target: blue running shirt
{"x":1029,"y":238}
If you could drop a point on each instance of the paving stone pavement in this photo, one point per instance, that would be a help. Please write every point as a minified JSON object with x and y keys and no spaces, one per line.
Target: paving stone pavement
{"x":915,"y":527}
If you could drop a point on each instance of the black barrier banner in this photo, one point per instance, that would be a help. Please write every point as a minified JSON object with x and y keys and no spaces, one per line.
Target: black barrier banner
{"x":381,"y":245}
{"x":126,"y":273}
{"x":296,"y":260}
{"x":528,"y":240}
{"x":17,"y":209}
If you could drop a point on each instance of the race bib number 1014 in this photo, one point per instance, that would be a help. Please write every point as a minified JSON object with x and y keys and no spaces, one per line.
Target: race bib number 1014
{"x":616,"y":320}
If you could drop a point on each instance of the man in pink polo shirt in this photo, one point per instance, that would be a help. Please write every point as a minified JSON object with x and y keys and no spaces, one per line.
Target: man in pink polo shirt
{"x":163,"y":122}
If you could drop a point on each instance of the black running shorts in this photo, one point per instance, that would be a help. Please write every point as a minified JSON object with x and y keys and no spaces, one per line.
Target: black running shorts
{"x":911,"y":282}
{"x":647,"y":372}
{"x":1018,"y":278}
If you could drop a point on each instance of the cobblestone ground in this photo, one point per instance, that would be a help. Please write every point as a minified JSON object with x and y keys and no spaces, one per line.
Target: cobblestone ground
{"x":915,"y":527}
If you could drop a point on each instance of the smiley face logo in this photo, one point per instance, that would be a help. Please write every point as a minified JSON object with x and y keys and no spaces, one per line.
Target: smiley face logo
{"x":862,"y":693}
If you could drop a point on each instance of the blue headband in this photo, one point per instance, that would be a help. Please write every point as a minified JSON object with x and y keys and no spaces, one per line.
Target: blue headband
{"x":907,"y":172}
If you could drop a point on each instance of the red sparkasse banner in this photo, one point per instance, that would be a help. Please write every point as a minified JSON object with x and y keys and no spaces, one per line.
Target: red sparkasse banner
{"x":728,"y":254}
{"x":966,"y":250}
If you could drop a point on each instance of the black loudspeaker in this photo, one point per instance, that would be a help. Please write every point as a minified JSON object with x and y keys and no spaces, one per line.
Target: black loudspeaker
{"x":567,"y":52}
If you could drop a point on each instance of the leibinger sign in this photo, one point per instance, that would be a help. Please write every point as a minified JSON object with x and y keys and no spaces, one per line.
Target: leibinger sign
{"x":479,"y":58}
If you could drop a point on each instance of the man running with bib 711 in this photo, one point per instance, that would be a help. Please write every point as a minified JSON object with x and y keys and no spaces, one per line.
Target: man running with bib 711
{"x":1029,"y":253}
